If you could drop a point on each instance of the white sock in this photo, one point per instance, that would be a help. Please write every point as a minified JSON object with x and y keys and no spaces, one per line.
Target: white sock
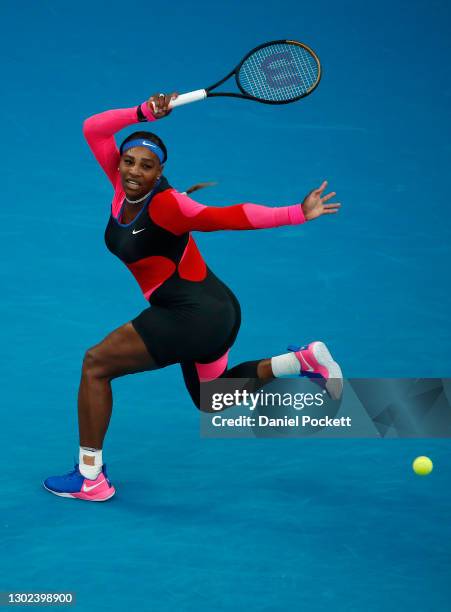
{"x":90,"y":471}
{"x":285,"y":365}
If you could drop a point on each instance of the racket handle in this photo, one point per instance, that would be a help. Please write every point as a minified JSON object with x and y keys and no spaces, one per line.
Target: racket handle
{"x":187,"y":98}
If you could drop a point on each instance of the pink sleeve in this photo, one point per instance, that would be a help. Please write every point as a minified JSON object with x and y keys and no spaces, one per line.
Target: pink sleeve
{"x":99,"y":132}
{"x":263,"y":216}
{"x":179,"y":214}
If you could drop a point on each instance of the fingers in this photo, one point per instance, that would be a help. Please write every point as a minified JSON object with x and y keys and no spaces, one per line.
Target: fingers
{"x":154,"y":104}
{"x":321,"y":188}
{"x":330,"y":195}
{"x":331,"y":209}
{"x":168,"y":98}
{"x":159,"y":103}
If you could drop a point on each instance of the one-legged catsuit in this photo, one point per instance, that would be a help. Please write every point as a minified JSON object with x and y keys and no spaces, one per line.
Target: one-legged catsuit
{"x":193,"y":318}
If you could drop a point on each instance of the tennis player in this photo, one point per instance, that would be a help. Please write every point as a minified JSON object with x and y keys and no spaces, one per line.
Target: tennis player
{"x":193,"y":318}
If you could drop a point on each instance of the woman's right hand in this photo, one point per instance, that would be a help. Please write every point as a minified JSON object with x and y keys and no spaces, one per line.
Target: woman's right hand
{"x":158,"y":104}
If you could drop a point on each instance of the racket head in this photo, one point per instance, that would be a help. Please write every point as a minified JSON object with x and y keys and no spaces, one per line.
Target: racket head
{"x":278,"y":72}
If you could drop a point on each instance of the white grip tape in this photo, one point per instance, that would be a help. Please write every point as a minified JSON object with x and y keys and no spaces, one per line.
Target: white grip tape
{"x":187,"y":98}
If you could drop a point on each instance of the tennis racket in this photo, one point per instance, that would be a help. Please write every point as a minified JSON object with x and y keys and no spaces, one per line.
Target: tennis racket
{"x":276,"y":72}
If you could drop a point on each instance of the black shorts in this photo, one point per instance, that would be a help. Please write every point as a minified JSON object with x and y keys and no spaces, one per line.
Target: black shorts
{"x":189,"y":321}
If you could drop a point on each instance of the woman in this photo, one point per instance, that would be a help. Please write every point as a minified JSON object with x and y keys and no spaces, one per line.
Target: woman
{"x":194,"y":318}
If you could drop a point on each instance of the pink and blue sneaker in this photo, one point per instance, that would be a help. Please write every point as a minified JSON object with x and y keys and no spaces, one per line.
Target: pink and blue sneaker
{"x":317,"y":363}
{"x":74,"y":484}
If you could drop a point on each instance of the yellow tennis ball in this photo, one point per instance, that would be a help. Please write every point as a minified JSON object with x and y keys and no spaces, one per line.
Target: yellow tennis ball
{"x":422,"y":466}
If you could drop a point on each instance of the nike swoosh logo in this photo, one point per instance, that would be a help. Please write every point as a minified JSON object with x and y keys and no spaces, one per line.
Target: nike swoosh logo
{"x":137,"y":231}
{"x":309,"y":367}
{"x":149,"y":144}
{"x":87,"y":489}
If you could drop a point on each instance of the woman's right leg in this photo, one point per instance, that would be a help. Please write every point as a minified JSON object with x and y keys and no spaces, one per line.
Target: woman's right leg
{"x":258,"y":372}
{"x":313,"y":360}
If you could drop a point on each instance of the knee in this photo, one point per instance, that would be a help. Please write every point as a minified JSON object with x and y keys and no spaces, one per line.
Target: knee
{"x":94,"y":365}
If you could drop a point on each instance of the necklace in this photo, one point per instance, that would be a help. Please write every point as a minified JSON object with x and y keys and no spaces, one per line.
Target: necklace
{"x":140,"y":199}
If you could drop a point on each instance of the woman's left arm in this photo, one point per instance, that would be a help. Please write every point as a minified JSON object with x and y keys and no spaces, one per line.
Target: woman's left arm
{"x":179,"y":214}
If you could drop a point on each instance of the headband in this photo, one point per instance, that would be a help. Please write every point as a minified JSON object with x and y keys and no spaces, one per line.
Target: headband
{"x":142,"y":142}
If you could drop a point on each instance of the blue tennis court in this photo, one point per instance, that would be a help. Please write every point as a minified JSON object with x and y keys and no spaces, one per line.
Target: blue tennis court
{"x":202,"y":524}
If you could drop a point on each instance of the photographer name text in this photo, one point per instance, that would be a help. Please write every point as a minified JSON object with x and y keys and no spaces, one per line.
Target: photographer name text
{"x":265,"y":421}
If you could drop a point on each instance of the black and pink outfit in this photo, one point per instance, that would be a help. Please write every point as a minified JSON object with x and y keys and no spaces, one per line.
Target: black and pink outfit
{"x":193,"y":318}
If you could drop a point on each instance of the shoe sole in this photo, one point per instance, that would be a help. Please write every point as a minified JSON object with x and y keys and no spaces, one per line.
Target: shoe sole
{"x":69,"y":495}
{"x":334,"y":384}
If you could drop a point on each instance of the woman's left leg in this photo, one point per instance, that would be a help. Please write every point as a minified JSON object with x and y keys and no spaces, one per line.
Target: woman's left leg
{"x":121,"y":352}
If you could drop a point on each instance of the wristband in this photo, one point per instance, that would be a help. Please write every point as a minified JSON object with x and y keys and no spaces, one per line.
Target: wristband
{"x":146,"y":112}
{"x":141,"y":116}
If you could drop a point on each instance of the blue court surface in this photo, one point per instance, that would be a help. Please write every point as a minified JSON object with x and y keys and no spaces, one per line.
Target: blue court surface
{"x":228,"y":524}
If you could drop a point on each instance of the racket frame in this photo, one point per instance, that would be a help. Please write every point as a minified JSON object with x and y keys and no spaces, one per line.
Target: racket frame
{"x":244,"y":95}
{"x":201,"y":94}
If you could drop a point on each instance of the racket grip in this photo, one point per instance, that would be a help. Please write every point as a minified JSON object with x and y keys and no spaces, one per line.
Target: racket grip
{"x":187,"y":98}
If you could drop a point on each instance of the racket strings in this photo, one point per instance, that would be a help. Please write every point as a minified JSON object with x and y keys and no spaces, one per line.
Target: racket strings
{"x":279,"y":72}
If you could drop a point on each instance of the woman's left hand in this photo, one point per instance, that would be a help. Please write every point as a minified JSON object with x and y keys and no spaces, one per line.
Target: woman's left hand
{"x":314,"y":204}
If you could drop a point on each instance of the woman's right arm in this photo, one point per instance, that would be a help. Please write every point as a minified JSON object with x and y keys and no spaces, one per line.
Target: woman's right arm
{"x":99,"y":132}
